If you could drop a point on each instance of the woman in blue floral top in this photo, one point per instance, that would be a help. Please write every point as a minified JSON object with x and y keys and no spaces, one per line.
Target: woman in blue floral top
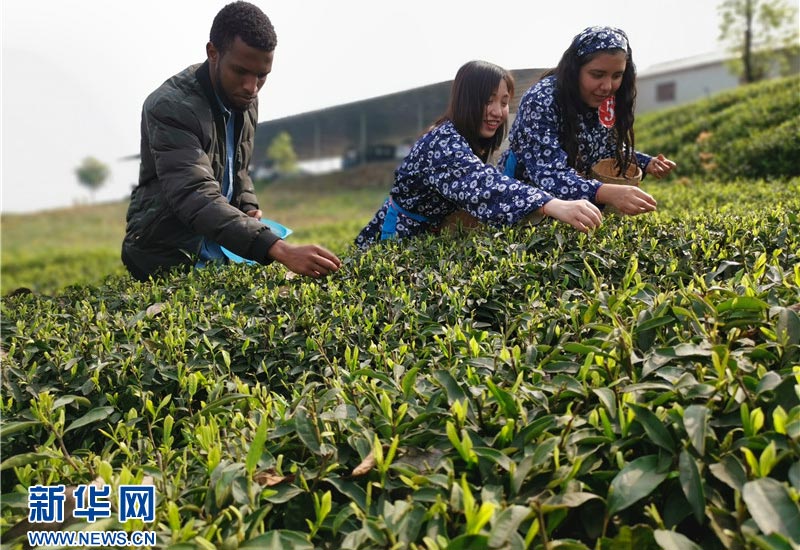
{"x":446,"y":170}
{"x":577,"y":114}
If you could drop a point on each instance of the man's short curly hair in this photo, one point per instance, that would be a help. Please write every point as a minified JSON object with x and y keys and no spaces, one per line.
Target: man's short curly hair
{"x":246,"y":21}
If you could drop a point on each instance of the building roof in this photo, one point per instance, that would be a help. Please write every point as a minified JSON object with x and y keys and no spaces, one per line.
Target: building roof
{"x":396,"y":118}
{"x":685,"y":63}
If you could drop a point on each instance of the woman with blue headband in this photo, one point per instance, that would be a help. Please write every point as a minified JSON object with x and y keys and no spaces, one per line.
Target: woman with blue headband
{"x":579,"y":113}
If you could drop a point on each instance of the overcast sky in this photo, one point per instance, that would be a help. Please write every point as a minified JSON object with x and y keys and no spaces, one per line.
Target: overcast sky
{"x":75,"y":73}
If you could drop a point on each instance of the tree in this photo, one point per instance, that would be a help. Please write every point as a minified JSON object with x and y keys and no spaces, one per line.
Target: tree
{"x":281,"y":153}
{"x":763,"y":34}
{"x":92,"y":174}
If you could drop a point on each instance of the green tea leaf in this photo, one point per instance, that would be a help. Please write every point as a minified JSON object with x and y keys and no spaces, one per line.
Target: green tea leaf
{"x":9,"y":428}
{"x":95,"y":415}
{"x":692,"y":484}
{"x":409,"y":378}
{"x":567,"y":500}
{"x":742,"y":303}
{"x":730,"y":471}
{"x":469,"y":542}
{"x":654,"y":428}
{"x":787,"y":327}
{"x":507,"y":523}
{"x":307,"y":431}
{"x":768,"y":382}
{"x":256,"y":447}
{"x":635,"y":481}
{"x":451,"y":387}
{"x":695,"y":422}
{"x":608,"y":399}
{"x":670,"y":540}
{"x":794,"y":475}
{"x":352,"y":490}
{"x":494,"y":456}
{"x":221,"y":404}
{"x":582,"y":349}
{"x":723,"y":266}
{"x":768,"y":459}
{"x":655,"y":322}
{"x":504,"y":399}
{"x":772,"y":508}
{"x":23,"y":459}
{"x":371,"y":373}
{"x":638,"y":537}
{"x":67,"y":399}
{"x":279,"y":539}
{"x":226,"y":358}
{"x":689,"y":350}
{"x":280,"y":494}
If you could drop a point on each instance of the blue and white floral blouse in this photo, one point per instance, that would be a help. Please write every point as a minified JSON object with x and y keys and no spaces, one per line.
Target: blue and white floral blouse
{"x":442,"y":174}
{"x":534,"y":140}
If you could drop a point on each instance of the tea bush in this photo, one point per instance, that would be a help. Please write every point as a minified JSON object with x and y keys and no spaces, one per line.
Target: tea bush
{"x":638,"y":387}
{"x":752,"y":131}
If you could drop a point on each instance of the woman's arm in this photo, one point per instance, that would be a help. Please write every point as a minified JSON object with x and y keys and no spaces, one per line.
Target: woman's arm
{"x":480,"y":189}
{"x":488,"y":195}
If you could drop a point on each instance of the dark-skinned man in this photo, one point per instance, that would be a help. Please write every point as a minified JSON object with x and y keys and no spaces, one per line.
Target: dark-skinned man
{"x":194,"y":194}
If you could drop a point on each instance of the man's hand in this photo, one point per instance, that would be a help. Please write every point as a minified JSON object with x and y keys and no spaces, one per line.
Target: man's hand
{"x":310,"y":259}
{"x":580,"y":214}
{"x":254,"y":214}
{"x":626,"y":199}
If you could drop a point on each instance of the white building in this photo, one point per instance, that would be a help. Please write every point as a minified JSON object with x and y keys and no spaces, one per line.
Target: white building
{"x":683,"y":80}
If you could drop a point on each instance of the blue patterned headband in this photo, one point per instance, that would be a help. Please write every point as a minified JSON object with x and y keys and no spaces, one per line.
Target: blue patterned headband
{"x":593,"y":39}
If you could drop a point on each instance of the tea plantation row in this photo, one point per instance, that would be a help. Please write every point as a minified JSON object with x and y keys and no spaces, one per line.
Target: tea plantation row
{"x":751,"y":131}
{"x":636,"y":388}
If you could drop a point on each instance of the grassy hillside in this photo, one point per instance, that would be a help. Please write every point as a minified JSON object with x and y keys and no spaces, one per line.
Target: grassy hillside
{"x":749,"y":132}
{"x":47,"y":251}
{"x":526,"y":388}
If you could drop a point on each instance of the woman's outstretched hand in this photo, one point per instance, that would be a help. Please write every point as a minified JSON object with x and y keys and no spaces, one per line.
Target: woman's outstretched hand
{"x":626,"y":199}
{"x":659,"y":166}
{"x":580,"y":214}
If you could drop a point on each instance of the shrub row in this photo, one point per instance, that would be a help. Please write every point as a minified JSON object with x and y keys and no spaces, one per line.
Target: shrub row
{"x":750,"y":132}
{"x":528,"y":388}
